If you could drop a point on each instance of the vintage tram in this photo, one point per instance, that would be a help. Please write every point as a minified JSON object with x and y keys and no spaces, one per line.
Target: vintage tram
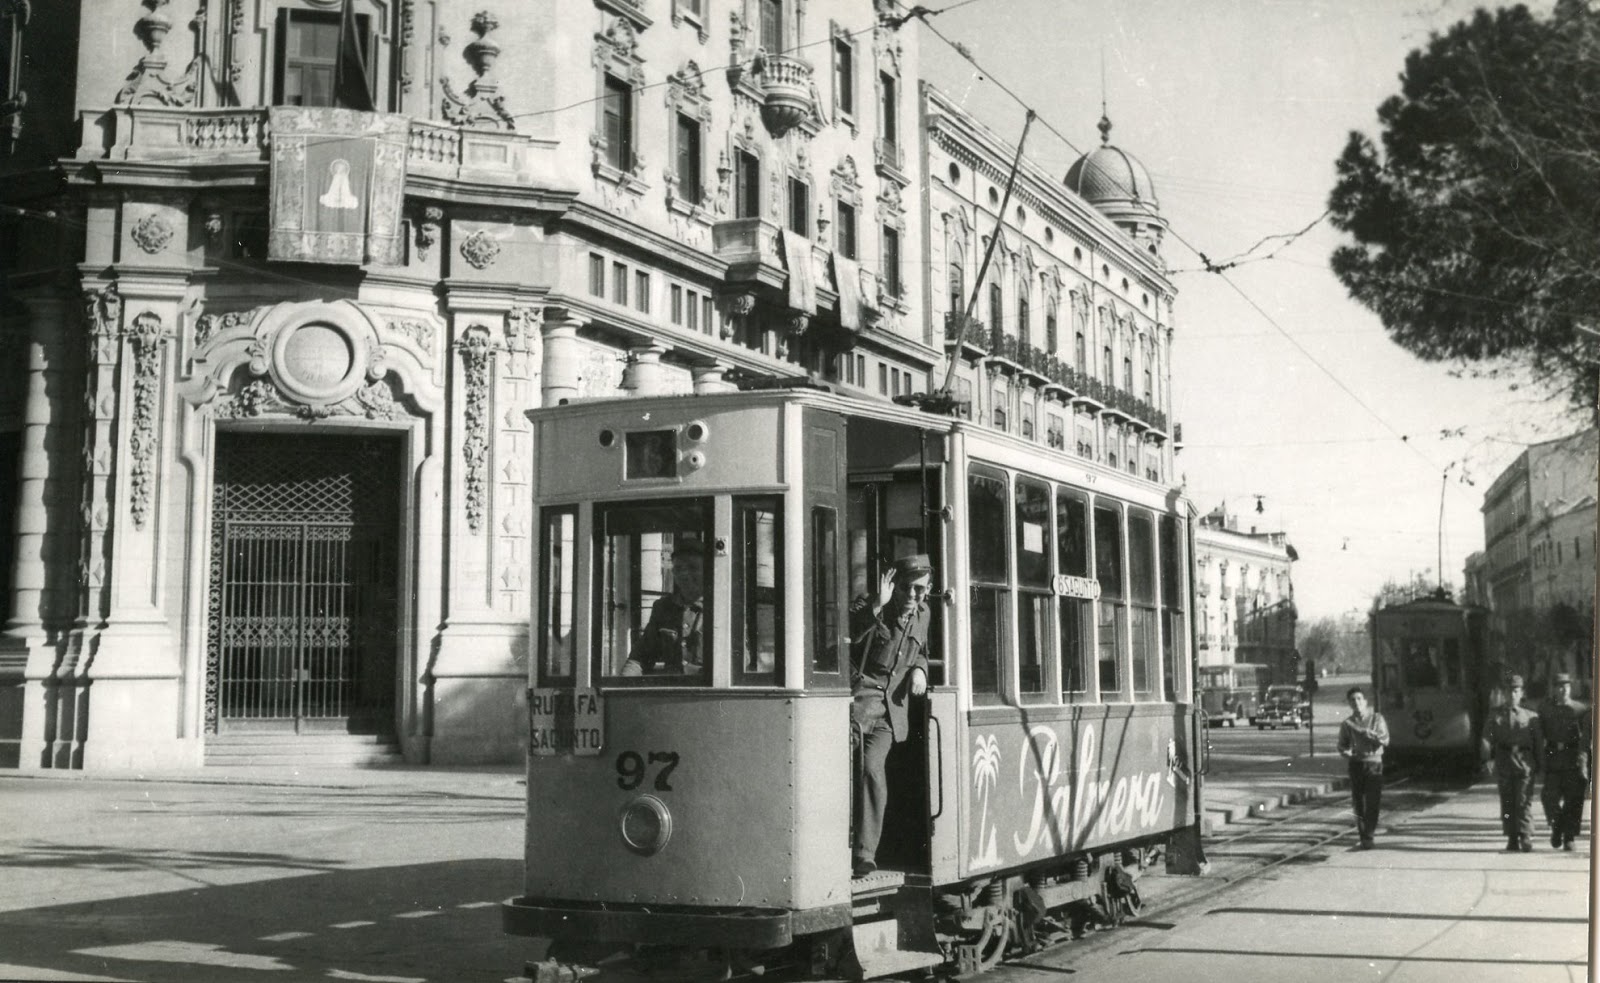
{"x":1433,"y":679}
{"x":702,"y":808}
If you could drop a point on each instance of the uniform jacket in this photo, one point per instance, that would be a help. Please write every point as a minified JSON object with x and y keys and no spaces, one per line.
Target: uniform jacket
{"x":671,"y":640}
{"x":1568,"y":735}
{"x":883,"y":653}
{"x":1364,"y":739}
{"x":1514,"y":739}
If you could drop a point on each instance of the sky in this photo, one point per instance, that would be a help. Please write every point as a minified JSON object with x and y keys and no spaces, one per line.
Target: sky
{"x":1286,"y":388}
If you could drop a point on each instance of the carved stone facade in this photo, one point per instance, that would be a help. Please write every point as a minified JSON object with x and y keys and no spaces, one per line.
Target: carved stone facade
{"x":537,"y":259}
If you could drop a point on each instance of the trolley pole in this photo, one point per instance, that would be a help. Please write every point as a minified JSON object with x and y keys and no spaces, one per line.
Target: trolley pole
{"x":1311,"y":708}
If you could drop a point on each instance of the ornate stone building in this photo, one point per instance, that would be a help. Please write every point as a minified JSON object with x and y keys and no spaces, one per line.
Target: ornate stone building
{"x":1245,"y":587}
{"x":266,"y":360}
{"x":1071,"y":339}
{"x":1537,"y":570}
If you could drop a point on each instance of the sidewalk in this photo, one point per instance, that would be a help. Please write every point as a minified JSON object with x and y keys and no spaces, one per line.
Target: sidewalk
{"x":1437,"y":900}
{"x":495,"y":780}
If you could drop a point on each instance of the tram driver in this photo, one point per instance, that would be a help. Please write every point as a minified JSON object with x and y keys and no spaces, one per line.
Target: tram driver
{"x":672,"y":641}
{"x":889,"y":664}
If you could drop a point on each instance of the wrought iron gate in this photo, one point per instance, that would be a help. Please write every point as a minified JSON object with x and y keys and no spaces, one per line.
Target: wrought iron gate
{"x":302,"y":607}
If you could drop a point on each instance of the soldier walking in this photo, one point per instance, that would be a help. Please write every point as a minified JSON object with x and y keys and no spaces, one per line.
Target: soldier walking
{"x":1568,"y":736}
{"x":1513,"y":742}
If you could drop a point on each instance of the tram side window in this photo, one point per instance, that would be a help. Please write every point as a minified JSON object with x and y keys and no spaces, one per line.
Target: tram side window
{"x":1108,"y":571}
{"x":653,"y":592}
{"x":1034,"y":598}
{"x":990,"y":601}
{"x":1072,"y":559}
{"x":557,"y":580}
{"x":757,"y":601}
{"x":826,"y":623}
{"x":1172,"y":604}
{"x":1142,"y":600}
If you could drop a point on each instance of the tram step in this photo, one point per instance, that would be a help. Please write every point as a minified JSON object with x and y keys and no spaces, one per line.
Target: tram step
{"x":321,"y":750}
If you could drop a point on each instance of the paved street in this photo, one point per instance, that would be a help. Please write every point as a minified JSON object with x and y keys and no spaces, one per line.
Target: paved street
{"x":177,"y":881}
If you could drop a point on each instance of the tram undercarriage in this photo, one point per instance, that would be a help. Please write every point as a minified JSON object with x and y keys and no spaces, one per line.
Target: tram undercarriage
{"x":897,"y":923}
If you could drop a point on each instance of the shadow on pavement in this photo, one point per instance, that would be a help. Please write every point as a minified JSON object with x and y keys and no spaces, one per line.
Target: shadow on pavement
{"x":435,"y":921}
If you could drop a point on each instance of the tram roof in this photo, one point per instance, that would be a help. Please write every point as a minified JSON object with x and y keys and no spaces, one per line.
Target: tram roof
{"x":825,"y":398}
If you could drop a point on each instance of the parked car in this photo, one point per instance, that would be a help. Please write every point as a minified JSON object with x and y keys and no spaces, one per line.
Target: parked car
{"x":1285,"y":705}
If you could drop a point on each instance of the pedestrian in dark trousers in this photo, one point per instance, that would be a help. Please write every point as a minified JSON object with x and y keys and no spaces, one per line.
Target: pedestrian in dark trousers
{"x":889,"y":655}
{"x":1362,"y":738}
{"x":1568,"y":735}
{"x":1513,"y":742}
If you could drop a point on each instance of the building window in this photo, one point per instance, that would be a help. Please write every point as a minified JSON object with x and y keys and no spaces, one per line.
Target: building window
{"x":1024,"y":322}
{"x":889,"y":110}
{"x":772,"y":26}
{"x":676,"y":293}
{"x":747,"y":185}
{"x":1050,"y":332}
{"x":844,"y":76}
{"x":619,"y":283}
{"x":308,"y":51}
{"x":891,"y":262}
{"x":1105,"y":369}
{"x":597,"y":274}
{"x":641,"y":291}
{"x":995,"y":307}
{"x":689,"y":160}
{"x":999,"y":398}
{"x":617,"y":114}
{"x":1080,"y":356}
{"x":706,"y":308}
{"x":883,"y":379}
{"x":844,"y":239}
{"x":1127,"y":375}
{"x":694,"y":307}
{"x":799,"y":206}
{"x":1149,"y":394}
{"x":958,"y":286}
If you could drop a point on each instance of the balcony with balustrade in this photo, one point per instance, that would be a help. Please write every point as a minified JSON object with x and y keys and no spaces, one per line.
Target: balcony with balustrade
{"x":232,"y":147}
{"x":786,"y":93}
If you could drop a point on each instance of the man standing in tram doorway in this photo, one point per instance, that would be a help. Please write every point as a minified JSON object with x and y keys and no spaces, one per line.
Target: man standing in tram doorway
{"x":889,"y":663}
{"x":1514,"y":742}
{"x":1568,"y":734}
{"x":1362,"y":737}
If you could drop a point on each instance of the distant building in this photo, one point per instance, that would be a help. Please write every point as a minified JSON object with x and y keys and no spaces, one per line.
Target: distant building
{"x":1245,"y":592}
{"x":1538,"y":567}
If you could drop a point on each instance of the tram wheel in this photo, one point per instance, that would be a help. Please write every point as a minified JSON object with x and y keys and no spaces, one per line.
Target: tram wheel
{"x":986,"y":950}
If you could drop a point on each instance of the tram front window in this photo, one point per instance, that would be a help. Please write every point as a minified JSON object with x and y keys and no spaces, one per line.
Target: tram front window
{"x":654,"y":576}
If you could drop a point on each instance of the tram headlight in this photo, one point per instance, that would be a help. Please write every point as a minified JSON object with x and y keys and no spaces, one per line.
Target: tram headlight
{"x":646,"y":825}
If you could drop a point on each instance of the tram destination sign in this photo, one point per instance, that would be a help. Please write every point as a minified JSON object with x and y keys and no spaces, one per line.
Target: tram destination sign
{"x":1084,"y":587}
{"x":566,"y":721}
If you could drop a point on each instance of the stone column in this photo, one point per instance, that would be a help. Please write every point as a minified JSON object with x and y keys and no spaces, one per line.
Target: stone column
{"x":43,"y":541}
{"x":642,"y":377}
{"x":560,"y":331}
{"x":709,"y":379}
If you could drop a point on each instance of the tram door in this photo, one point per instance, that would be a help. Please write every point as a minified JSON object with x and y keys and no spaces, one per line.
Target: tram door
{"x":893,"y":484}
{"x":304,"y":568}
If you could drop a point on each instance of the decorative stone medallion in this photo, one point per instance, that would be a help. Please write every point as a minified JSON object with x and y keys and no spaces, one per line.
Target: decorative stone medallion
{"x":152,"y":233}
{"x":480,"y":249}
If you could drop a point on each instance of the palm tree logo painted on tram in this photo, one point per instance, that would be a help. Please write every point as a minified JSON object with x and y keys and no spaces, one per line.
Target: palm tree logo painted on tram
{"x":985,"y":769}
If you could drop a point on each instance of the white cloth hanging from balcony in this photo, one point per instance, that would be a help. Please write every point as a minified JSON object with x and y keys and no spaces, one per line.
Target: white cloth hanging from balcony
{"x":802,"y":277}
{"x":847,"y":281}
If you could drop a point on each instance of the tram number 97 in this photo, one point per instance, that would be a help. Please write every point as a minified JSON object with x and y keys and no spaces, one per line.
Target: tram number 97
{"x":631,"y":769}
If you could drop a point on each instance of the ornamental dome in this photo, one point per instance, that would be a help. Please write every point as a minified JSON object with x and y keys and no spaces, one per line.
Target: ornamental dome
{"x":1108,"y":175}
{"x":1116,"y":184}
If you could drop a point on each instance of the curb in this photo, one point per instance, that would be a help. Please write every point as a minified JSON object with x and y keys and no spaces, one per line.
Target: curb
{"x":1216,"y":818}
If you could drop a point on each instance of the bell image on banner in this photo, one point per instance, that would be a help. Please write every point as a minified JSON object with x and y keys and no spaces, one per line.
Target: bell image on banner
{"x":338,"y":185}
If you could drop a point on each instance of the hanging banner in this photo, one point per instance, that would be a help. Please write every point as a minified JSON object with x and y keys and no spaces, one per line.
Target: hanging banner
{"x":338,"y":185}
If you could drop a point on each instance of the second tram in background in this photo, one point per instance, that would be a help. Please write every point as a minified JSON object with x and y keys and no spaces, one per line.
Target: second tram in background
{"x":697,"y":809}
{"x":1433,"y":678}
